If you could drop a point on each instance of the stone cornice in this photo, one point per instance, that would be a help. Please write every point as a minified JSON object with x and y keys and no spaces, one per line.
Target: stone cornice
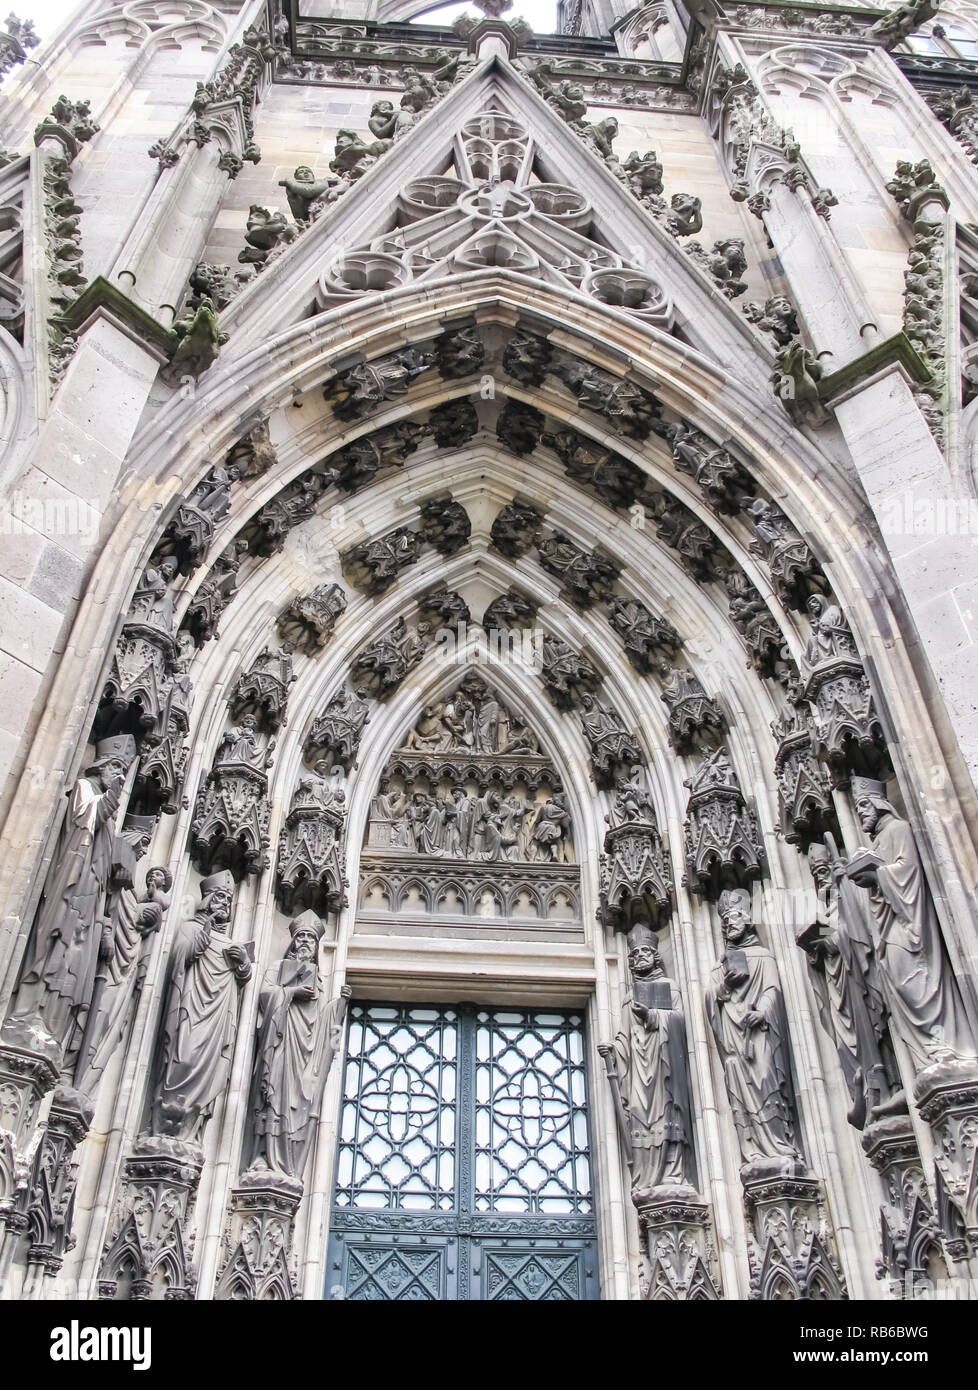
{"x":897,"y":351}
{"x":101,"y":299}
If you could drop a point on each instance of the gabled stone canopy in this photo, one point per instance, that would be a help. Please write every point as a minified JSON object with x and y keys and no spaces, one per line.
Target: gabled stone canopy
{"x":310,"y":272}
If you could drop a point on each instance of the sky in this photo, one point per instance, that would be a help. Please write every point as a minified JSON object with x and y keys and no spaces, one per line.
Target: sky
{"x":539,"y":14}
{"x":46,"y":14}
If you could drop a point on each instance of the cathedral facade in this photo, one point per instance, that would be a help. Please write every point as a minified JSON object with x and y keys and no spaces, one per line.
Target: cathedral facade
{"x":488,"y":600}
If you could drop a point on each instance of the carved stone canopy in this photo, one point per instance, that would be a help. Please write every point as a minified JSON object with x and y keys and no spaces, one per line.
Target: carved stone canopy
{"x":309,"y":872}
{"x":229,"y":829}
{"x":309,"y":620}
{"x":334,"y":736}
{"x":723,"y":845}
{"x":636,"y":872}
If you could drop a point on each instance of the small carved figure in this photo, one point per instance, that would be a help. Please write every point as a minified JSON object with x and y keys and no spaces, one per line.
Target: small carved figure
{"x":551,"y":826}
{"x":303,"y":189}
{"x":199,"y":342}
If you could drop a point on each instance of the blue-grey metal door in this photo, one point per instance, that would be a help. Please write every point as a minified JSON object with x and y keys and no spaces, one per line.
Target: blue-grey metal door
{"x":463,"y":1166}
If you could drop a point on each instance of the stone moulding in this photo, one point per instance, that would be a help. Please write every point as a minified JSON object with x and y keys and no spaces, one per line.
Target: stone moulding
{"x":486,"y":894}
{"x":506,"y":768}
{"x":101,"y":298}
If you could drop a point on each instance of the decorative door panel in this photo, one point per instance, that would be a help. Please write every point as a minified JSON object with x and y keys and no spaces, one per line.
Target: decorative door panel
{"x":463,"y":1166}
{"x":532,"y":1271}
{"x":378,"y":1269}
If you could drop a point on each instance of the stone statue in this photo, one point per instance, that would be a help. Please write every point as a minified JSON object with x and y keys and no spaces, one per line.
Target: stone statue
{"x":58,"y":974}
{"x":200,"y":1014}
{"x":152,"y":602}
{"x":745,"y":1010}
{"x":649,"y":1072}
{"x":644,"y":173}
{"x":302,"y":190}
{"x":352,"y":157}
{"x":906,"y":19}
{"x":431,"y":733}
{"x":831,"y":634}
{"x":843,"y":971}
{"x":566,"y":97}
{"x":920,"y":991}
{"x":299,"y":1033}
{"x":388,"y":819}
{"x":551,"y":825}
{"x":199,"y":342}
{"x":133,"y":917}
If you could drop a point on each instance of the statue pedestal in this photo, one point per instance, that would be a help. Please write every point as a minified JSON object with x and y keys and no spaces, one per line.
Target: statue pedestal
{"x":679,"y":1245}
{"x":52,"y":1188}
{"x":908,"y":1228}
{"x":947,"y":1100}
{"x":258,"y":1239}
{"x":30,"y":1060}
{"x":148,"y":1256}
{"x":790,"y":1246}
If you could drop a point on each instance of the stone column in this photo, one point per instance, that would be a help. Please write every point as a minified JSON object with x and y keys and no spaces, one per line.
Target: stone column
{"x":29,"y":1062}
{"x":836,"y":313}
{"x":52,"y":1195}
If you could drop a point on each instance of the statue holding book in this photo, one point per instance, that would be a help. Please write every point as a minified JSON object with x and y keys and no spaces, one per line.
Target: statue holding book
{"x":647,"y":1069}
{"x":745,"y":1010}
{"x":843,"y":970}
{"x":925,"y":1007}
{"x":207,"y":970}
{"x":299,"y":1034}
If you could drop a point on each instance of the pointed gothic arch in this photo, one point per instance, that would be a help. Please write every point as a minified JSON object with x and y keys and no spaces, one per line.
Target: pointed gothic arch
{"x":696,"y":447}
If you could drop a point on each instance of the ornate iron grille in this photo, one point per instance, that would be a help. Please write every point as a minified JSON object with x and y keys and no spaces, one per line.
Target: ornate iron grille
{"x":397,"y":1137}
{"x":531,"y":1114}
{"x":463,"y":1165}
